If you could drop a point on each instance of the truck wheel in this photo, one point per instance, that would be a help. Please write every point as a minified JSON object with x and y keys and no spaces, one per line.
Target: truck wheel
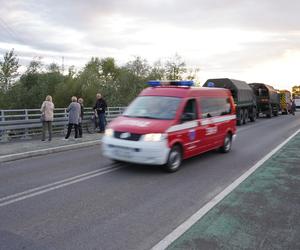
{"x":245,"y":118}
{"x":270,"y":112}
{"x":253,"y":115}
{"x":240,"y":117}
{"x":174,"y":159}
{"x":227,"y":144}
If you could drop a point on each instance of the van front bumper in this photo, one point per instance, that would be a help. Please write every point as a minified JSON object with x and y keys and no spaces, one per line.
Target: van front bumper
{"x":140,"y":152}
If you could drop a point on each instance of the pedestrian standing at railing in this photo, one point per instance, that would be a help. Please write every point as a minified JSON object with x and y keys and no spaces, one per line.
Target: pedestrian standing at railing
{"x":74,"y":114}
{"x":99,"y":109}
{"x":47,"y":109}
{"x":80,"y":101}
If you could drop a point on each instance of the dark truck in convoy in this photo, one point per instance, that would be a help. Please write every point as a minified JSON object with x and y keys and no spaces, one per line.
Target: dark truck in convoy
{"x":243,"y":96}
{"x":267,"y":99}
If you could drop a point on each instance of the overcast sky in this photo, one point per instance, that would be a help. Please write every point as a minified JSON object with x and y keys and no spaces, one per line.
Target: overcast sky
{"x":250,"y":40}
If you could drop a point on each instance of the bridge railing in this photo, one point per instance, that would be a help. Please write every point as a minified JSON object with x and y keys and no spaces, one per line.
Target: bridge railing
{"x":26,"y":123}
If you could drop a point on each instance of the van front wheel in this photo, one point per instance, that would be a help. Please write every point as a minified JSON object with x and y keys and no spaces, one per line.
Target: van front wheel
{"x":227,"y":144}
{"x":174,"y":159}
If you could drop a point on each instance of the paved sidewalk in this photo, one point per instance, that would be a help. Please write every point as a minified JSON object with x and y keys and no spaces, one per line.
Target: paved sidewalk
{"x":27,"y":148}
{"x":263,"y":212}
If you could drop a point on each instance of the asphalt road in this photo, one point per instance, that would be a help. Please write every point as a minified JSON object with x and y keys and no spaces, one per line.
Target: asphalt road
{"x":80,"y":200}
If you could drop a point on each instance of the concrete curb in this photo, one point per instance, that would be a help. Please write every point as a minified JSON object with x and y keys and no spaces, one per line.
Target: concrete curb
{"x":18,"y":156}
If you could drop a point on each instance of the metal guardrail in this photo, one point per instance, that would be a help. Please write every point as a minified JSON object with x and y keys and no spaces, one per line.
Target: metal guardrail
{"x":26,"y":123}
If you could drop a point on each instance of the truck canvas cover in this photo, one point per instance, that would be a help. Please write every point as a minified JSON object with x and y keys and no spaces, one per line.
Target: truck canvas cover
{"x":242,"y":93}
{"x":271,"y":93}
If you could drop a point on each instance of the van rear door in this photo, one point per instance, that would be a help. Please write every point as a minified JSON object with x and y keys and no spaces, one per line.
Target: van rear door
{"x":215,"y":114}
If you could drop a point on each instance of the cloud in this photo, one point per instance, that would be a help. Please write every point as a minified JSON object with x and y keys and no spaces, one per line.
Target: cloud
{"x":49,"y":23}
{"x":263,"y":15}
{"x":217,"y":36}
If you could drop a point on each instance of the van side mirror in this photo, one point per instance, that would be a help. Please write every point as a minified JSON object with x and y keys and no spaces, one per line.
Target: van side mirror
{"x":187,"y":117}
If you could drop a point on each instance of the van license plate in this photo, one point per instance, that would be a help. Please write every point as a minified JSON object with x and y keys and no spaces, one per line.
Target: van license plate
{"x":123,"y":152}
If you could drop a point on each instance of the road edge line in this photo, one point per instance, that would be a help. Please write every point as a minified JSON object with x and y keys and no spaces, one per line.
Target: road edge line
{"x":18,"y":156}
{"x":65,"y":184}
{"x":187,"y":224}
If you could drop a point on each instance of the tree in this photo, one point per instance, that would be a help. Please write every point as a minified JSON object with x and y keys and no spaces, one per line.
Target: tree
{"x":31,"y":77}
{"x":89,"y":81}
{"x":139,"y":67}
{"x":71,"y":71}
{"x":8,"y":69}
{"x":119,"y":85}
{"x":109,"y":69}
{"x":157,"y":71}
{"x":54,"y":68}
{"x":296,"y":91}
{"x":175,"y":68}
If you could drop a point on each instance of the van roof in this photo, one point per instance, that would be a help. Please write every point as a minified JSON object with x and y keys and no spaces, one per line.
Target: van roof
{"x":184,"y":92}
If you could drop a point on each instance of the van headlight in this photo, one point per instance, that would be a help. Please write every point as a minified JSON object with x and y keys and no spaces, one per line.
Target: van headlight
{"x":154,"y":137}
{"x":109,"y":132}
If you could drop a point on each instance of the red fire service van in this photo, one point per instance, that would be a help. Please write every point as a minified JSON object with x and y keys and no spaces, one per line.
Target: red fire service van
{"x":171,"y":121}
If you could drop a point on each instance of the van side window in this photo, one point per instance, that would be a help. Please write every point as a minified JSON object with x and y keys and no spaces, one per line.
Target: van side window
{"x":190,"y":111}
{"x":215,"y":106}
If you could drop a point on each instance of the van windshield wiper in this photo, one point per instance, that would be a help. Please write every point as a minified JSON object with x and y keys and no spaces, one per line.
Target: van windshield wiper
{"x":148,"y":117}
{"x":144,"y":116}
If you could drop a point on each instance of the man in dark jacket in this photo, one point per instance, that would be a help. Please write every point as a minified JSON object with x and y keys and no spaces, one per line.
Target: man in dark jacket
{"x":100,"y":108}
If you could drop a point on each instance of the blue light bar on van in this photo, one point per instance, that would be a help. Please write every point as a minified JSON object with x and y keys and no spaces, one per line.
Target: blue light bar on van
{"x":170,"y":83}
{"x":153,"y":83}
{"x":211,"y":84}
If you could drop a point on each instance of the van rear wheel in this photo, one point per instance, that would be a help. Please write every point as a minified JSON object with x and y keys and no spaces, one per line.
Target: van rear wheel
{"x":227,"y":144}
{"x":174,"y":159}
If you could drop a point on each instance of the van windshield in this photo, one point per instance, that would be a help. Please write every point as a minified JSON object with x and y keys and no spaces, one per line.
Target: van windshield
{"x":153,"y":107}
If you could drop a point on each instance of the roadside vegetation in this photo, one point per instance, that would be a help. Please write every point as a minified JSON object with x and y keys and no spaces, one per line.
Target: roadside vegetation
{"x":119,"y":84}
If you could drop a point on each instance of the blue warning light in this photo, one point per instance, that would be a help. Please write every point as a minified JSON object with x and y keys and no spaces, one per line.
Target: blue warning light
{"x":211,"y":84}
{"x":171,"y":83}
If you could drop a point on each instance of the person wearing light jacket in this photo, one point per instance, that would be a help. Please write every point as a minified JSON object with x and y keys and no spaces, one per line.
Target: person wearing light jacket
{"x":74,"y":110}
{"x":47,"y":109}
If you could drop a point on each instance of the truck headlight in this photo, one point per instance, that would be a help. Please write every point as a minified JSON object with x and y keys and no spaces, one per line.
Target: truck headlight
{"x":154,"y":137}
{"x":109,"y":132}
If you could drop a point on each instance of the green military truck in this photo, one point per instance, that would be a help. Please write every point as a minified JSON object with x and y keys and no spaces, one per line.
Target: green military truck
{"x":243,"y":96}
{"x":267,"y":99}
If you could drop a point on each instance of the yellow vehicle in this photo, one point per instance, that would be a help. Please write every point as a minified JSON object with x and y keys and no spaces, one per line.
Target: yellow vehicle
{"x":285,"y":101}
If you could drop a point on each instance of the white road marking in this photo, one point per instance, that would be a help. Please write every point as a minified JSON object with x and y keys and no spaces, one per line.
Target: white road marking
{"x":52,"y":186}
{"x":181,"y":229}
